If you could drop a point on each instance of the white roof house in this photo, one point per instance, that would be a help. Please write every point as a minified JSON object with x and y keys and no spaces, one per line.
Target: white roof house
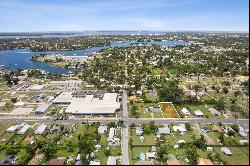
{"x":102,"y":129}
{"x":138,"y":130}
{"x":226,"y":151}
{"x":111,"y":160}
{"x":185,"y":111}
{"x":13,"y":129}
{"x":198,"y":113}
{"x":41,"y":129}
{"x":24,"y":129}
{"x":164,"y":130}
{"x":180,"y":128}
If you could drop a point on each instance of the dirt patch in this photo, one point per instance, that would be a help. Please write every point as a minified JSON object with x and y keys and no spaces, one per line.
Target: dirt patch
{"x":168,"y":110}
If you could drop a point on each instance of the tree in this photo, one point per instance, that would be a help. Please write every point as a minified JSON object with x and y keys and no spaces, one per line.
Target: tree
{"x":188,"y":127}
{"x":191,"y":154}
{"x":107,"y":151}
{"x":220,"y":104}
{"x":120,"y":123}
{"x":225,"y":90}
{"x":170,"y":92}
{"x":230,"y":133}
{"x":221,"y":138}
{"x":162,"y":152}
{"x":235,"y":127}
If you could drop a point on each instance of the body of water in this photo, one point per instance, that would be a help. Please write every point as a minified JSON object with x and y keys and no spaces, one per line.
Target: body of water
{"x":21,"y":58}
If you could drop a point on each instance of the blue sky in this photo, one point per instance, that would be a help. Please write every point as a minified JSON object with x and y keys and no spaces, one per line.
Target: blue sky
{"x":80,"y":15}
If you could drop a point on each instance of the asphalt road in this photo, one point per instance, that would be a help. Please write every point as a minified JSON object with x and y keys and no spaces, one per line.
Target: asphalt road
{"x":244,"y":122}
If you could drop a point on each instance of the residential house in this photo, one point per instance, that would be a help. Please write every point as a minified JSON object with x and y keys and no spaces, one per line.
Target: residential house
{"x":164,"y":130}
{"x":185,"y":111}
{"x":198,"y":113}
{"x":181,"y":128}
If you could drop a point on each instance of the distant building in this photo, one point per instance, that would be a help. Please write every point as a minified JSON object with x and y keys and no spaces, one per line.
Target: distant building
{"x":36,"y":87}
{"x":66,"y":83}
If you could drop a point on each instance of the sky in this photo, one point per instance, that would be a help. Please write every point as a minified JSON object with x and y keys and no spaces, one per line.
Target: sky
{"x":94,"y":15}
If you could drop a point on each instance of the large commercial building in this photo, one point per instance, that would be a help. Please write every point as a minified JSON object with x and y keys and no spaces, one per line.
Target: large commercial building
{"x":89,"y":105}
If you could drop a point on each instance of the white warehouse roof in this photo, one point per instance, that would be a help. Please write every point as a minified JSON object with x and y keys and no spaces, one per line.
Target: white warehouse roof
{"x":91,"y":105}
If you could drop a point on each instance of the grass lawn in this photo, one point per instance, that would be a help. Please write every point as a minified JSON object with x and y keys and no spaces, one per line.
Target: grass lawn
{"x":240,"y":155}
{"x":148,"y":139}
{"x":135,"y":153}
{"x":141,"y":109}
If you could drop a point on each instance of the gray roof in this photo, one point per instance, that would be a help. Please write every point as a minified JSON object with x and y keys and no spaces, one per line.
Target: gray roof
{"x":42,"y":108}
{"x":164,"y":130}
{"x":154,"y":109}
